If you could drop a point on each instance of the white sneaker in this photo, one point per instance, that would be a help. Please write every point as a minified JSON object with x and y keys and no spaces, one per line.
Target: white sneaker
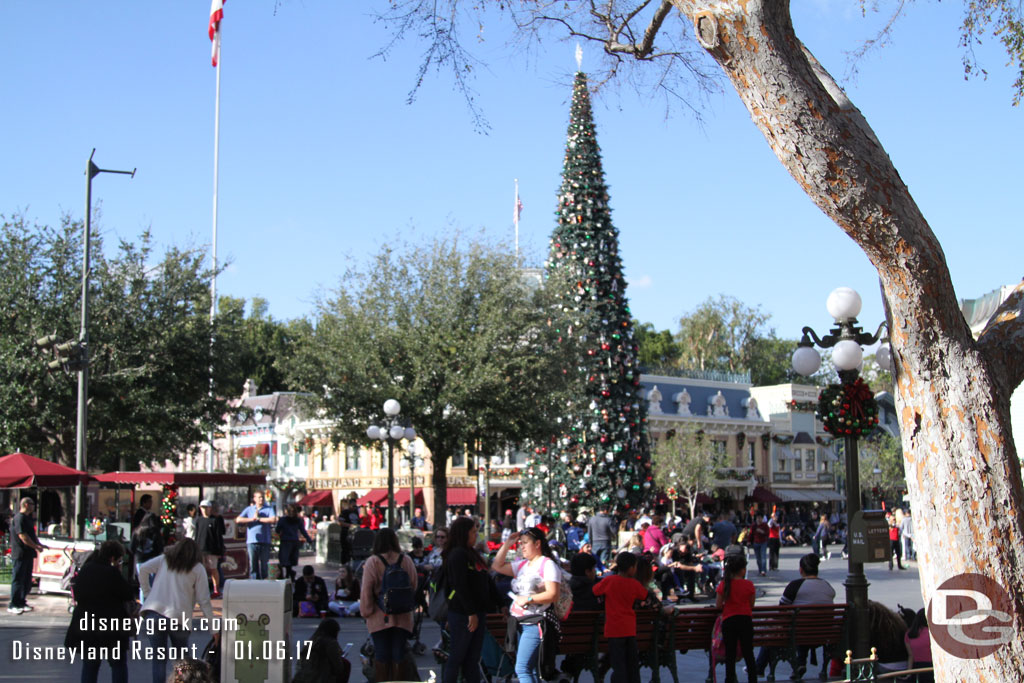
{"x":828,"y":555}
{"x":15,"y":610}
{"x":27,"y":608}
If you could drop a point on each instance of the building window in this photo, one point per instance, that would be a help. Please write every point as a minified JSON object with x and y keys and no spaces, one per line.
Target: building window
{"x":780,"y":461}
{"x":351,"y":458}
{"x":459,"y":458}
{"x":719,"y":446}
{"x":809,"y":463}
{"x":750,"y":455}
{"x":798,"y":461}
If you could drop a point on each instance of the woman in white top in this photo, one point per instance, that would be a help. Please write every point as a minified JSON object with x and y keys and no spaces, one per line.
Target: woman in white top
{"x":536,"y":582}
{"x":179,"y":582}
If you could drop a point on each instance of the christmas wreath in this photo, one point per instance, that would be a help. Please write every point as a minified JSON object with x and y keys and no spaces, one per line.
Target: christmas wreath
{"x":848,"y":409}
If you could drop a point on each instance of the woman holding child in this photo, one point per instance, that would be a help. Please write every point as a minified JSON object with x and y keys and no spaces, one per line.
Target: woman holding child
{"x":536,"y":577}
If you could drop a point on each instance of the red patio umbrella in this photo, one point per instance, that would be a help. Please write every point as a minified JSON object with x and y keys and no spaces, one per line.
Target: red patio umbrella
{"x":22,"y":471}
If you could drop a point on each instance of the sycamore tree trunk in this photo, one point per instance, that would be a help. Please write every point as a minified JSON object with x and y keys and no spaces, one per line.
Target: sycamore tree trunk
{"x":952,"y":393}
{"x":439,"y":478}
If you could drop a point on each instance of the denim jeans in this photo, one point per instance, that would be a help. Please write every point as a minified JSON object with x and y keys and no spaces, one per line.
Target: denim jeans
{"x":161,"y":634}
{"x":259,"y":560}
{"x":603,"y":552}
{"x":527,"y":653}
{"x":773,"y":553}
{"x":464,"y":654}
{"x":759,"y":553}
{"x":118,"y":669}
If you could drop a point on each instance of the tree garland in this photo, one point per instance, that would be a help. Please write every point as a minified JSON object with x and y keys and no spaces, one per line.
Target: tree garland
{"x":801,"y":406}
{"x":848,"y":409}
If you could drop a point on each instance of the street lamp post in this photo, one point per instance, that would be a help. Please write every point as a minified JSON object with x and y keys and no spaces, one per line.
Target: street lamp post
{"x":845,"y":340}
{"x":413,"y":461}
{"x":390,"y":433}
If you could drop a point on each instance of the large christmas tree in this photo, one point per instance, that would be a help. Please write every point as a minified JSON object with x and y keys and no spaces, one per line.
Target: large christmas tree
{"x":601,"y":456}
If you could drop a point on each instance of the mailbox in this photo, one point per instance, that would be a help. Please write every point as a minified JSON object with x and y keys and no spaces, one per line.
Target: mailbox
{"x":869,"y":537}
{"x":256,"y":643}
{"x":328,"y":543}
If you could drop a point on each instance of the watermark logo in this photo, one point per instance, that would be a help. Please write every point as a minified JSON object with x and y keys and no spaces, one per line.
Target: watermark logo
{"x":970,"y":616}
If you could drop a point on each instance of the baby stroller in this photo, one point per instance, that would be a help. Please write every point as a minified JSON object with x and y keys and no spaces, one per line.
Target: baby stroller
{"x":76,"y":558}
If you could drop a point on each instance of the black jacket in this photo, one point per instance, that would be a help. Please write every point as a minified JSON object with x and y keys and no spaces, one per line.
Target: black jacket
{"x":315,"y":592}
{"x":583,"y":598}
{"x":474,"y":590}
{"x":210,"y":534}
{"x":101,"y":592}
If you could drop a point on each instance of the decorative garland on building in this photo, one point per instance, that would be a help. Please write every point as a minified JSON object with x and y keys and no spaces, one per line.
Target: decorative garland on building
{"x":783,"y":440}
{"x":801,"y":406}
{"x":741,"y":440}
{"x":848,"y":409}
{"x":824,"y":440}
{"x":766,"y":440}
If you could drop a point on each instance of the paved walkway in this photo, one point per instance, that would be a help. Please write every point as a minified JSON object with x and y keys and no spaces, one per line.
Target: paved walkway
{"x":46,"y":625}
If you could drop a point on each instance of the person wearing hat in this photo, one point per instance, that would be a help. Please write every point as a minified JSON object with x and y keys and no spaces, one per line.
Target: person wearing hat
{"x":210,"y":530}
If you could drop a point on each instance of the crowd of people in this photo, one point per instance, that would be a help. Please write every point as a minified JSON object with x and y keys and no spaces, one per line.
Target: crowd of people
{"x":526,"y":563}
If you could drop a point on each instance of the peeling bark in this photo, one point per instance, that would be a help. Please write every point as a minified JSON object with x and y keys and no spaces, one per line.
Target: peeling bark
{"x":952,"y":393}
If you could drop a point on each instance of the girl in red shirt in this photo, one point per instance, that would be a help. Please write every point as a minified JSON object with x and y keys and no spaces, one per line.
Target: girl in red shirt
{"x":736,"y":600}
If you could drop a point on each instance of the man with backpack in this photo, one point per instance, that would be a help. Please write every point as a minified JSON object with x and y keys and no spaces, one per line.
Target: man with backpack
{"x":387,"y":601}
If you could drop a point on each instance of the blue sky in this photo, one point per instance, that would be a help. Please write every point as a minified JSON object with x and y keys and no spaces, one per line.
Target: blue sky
{"x":322,"y":160}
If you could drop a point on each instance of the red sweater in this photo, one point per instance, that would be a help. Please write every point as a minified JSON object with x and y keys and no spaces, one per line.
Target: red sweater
{"x":620,"y":592}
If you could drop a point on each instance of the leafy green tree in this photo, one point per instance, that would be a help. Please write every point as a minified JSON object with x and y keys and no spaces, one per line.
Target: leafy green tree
{"x":770,"y":360}
{"x":718,"y":334}
{"x":882,"y":467}
{"x":686,"y":461}
{"x":260,"y":344}
{"x":149,"y":347}
{"x":458,"y":333}
{"x":656,"y":348}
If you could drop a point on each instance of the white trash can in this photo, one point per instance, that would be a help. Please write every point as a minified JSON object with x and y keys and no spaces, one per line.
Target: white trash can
{"x":256,"y":645}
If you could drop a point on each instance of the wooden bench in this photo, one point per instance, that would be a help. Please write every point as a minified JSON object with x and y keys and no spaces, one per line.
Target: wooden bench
{"x":582,"y":637}
{"x":782,"y":628}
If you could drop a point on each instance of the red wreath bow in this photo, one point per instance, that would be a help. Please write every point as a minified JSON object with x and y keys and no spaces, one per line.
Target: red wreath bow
{"x":857,"y":395}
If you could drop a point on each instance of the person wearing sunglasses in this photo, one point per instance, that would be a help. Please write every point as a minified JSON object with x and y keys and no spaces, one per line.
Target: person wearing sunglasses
{"x":535,"y":585}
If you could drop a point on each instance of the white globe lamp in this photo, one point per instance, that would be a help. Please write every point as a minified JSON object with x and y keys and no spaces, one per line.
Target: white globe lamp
{"x":392,"y":407}
{"x":397,"y":432}
{"x":373,"y":432}
{"x":843,"y":304}
{"x":847,"y":354}
{"x":883,"y":356}
{"x":806,"y":360}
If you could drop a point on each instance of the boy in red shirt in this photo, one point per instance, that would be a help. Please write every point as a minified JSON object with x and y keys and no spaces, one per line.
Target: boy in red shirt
{"x":620,"y":591}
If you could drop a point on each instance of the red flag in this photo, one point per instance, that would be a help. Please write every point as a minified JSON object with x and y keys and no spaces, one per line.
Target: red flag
{"x":216,"y":14}
{"x":518,"y":209}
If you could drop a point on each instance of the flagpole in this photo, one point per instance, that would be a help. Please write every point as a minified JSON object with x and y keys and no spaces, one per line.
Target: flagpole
{"x":213,"y":279}
{"x":515,"y":217}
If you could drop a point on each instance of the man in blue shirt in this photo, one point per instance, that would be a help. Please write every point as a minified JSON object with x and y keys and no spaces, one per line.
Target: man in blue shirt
{"x":259,"y":519}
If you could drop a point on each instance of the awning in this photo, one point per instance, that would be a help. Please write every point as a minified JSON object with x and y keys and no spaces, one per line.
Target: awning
{"x":763,"y":495}
{"x":20,"y":470}
{"x":373,"y":496}
{"x":402,"y":497}
{"x":315,"y":499}
{"x":807,"y":495}
{"x":787,"y":454}
{"x":829,"y":455}
{"x":460,"y":496}
{"x":182,"y":478}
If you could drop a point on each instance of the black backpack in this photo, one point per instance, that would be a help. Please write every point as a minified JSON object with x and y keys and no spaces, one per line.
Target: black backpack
{"x":397,"y":595}
{"x":438,"y":594}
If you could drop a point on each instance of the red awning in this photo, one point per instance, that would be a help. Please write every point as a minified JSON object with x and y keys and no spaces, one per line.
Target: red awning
{"x":461,"y":496}
{"x":182,"y":478}
{"x":316,"y":499}
{"x":20,"y":471}
{"x":763,"y":495}
{"x":374,"y":496}
{"x":402,"y":497}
